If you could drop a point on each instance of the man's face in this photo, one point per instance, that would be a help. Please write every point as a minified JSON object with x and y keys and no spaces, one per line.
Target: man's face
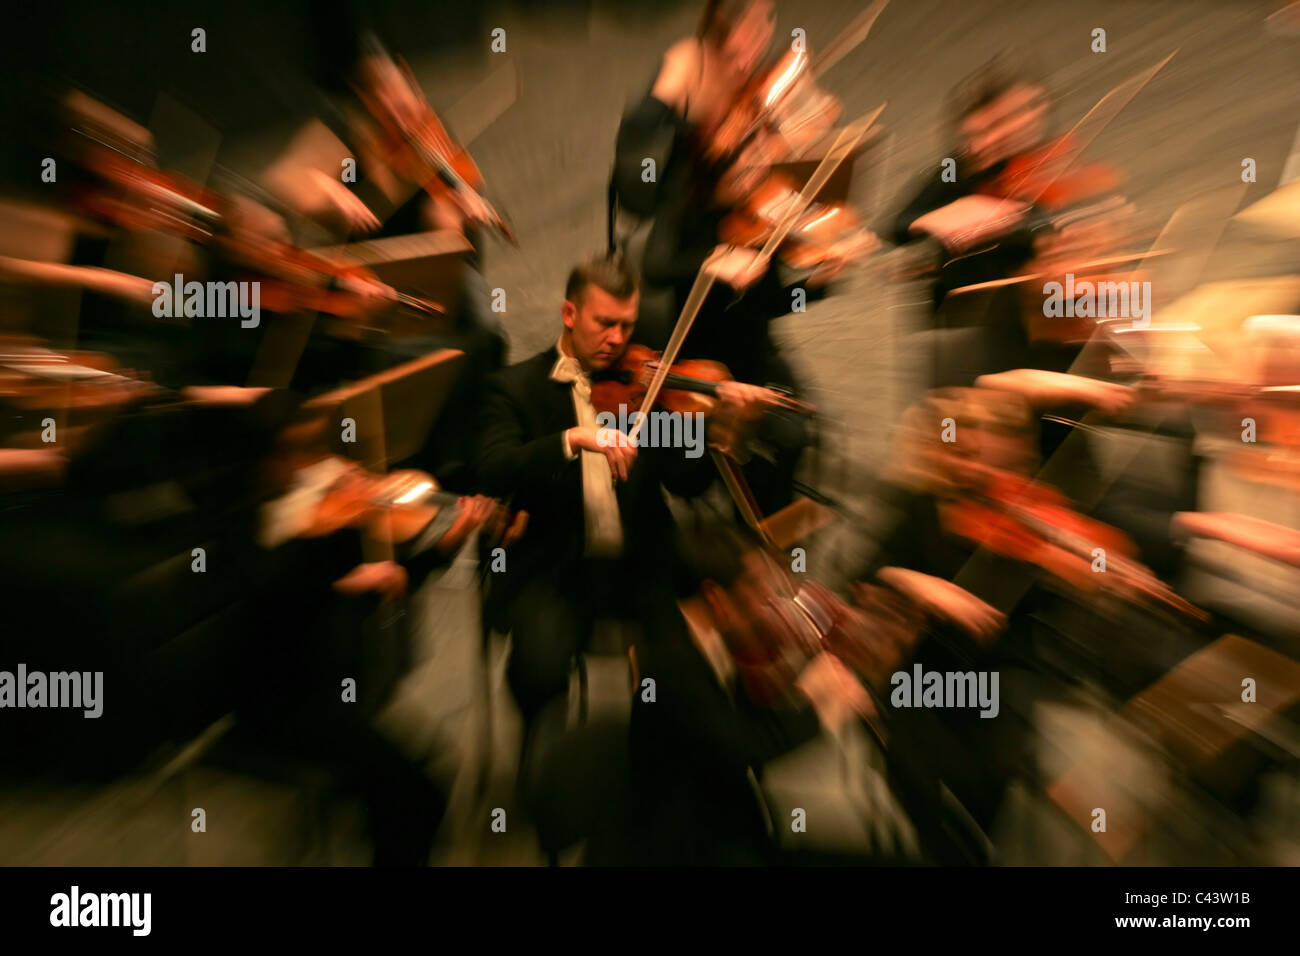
{"x":599,"y":327}
{"x":389,"y":92}
{"x":1011,"y":124}
{"x":998,"y":447}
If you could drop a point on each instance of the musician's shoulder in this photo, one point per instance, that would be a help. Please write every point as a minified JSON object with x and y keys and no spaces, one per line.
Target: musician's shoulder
{"x":681,"y":63}
{"x":525,"y":373}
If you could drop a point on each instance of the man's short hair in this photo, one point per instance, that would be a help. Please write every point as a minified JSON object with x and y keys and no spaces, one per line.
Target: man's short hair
{"x":719,"y":18}
{"x":715,"y":552}
{"x":608,"y":271}
{"x":992,"y":81}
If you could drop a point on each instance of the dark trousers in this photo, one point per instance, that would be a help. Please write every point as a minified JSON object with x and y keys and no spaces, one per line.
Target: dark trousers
{"x":291,"y":697}
{"x":551,"y":620}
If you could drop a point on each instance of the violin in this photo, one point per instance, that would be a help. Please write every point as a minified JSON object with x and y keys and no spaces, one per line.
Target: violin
{"x":820,"y":232}
{"x":304,"y":281}
{"x":690,"y":386}
{"x":83,"y":391}
{"x":780,"y":108}
{"x":38,"y":378}
{"x":1025,"y":520}
{"x":133,"y":194}
{"x":395,"y":508}
{"x":796,"y":624}
{"x":422,"y":150}
{"x":780,"y":113}
{"x":1042,"y":177}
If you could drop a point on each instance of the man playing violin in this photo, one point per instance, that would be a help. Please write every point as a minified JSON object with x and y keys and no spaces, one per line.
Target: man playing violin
{"x":318,"y":578}
{"x":997,"y":115}
{"x":379,"y":118}
{"x":599,"y":527}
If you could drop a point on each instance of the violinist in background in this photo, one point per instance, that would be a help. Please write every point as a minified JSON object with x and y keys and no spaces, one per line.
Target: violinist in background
{"x":154,"y":224}
{"x":387,"y":99}
{"x":1014,"y":206}
{"x":378,"y":117}
{"x":316,"y":582}
{"x":125,"y":238}
{"x":695,"y":748}
{"x":996,"y":115}
{"x":699,"y":81}
{"x":599,"y":529}
{"x":968,"y":623}
{"x":1011,"y":213}
{"x":1008,"y":571}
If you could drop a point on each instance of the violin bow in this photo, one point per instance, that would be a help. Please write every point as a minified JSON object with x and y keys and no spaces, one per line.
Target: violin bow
{"x":843,"y":146}
{"x":849,"y":38}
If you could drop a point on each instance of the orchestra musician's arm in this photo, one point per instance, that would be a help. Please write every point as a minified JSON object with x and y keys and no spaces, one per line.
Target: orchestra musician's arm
{"x":649,"y":126}
{"x":506,"y":460}
{"x":1044,"y":389}
{"x":674,"y":251}
{"x":947,"y":601}
{"x":680,"y":65}
{"x":23,"y":469}
{"x":1253,"y":534}
{"x":92,"y":278}
{"x":916,"y":559}
{"x":957,"y":217}
{"x":308,"y":179}
{"x":934,"y":194}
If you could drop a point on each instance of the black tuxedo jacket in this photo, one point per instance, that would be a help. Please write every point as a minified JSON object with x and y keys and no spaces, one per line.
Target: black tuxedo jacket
{"x":521,"y":457}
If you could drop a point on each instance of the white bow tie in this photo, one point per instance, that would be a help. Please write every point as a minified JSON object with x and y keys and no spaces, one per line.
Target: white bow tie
{"x":569,"y":369}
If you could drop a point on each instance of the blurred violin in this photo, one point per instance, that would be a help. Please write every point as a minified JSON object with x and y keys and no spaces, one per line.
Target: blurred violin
{"x":782,"y":110}
{"x":297,"y":280}
{"x":131,"y":193}
{"x":417,"y":145}
{"x":780,"y":113}
{"x":821,"y":231}
{"x":397,"y":507}
{"x":38,"y":378}
{"x":1045,"y":177}
{"x":1025,"y":520}
{"x":81,"y":391}
{"x":796,"y":624}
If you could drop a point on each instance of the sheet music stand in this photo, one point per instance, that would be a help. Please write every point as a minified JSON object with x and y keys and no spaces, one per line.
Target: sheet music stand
{"x":393,"y":410}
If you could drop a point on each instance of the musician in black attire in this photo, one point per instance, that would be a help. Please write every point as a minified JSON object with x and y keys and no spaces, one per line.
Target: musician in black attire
{"x":313,"y":595}
{"x":995,"y":613}
{"x":698,"y":744}
{"x":599,"y":530}
{"x":367,"y":92}
{"x":694,"y":90}
{"x":997,"y":115}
